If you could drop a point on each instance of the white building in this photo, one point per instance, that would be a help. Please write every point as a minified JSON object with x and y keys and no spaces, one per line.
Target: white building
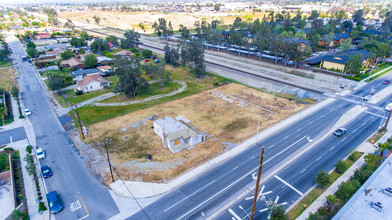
{"x":92,"y":83}
{"x":177,"y":135}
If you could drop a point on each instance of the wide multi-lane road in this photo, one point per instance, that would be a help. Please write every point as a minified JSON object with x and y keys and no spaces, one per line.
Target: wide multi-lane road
{"x":219,"y":186}
{"x":81,"y":194}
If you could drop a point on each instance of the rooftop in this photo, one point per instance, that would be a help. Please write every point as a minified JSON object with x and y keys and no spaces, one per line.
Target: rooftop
{"x":371,"y":192}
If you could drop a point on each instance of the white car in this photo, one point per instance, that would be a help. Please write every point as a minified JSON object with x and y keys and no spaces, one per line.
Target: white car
{"x":388,"y":107}
{"x":16,"y":67}
{"x":41,"y":154}
{"x":27,"y":112}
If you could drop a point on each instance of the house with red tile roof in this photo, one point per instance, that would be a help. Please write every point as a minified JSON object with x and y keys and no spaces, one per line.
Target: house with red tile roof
{"x":42,"y":36}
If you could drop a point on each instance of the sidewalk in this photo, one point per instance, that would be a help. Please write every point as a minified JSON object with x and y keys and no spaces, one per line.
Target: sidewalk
{"x":365,"y":147}
{"x":29,"y":184}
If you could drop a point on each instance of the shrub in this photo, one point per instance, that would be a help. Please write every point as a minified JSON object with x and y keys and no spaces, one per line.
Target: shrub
{"x":79,"y":92}
{"x":41,"y":207}
{"x":362,"y":175}
{"x":28,"y":149}
{"x":133,"y":50}
{"x":341,"y":166}
{"x":21,"y":116}
{"x":146,"y":53}
{"x":8,"y":149}
{"x":322,"y":178}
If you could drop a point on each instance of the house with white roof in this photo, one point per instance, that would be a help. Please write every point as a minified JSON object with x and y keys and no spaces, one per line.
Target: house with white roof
{"x":177,"y":135}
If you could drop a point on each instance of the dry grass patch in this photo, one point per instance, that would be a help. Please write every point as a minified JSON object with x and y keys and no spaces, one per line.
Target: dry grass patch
{"x":6,"y":79}
{"x":228,"y":113}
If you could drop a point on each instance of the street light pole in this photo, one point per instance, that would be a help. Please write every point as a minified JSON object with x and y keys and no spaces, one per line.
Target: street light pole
{"x":386,"y":123}
{"x":106,"y":142}
{"x":252,"y":215}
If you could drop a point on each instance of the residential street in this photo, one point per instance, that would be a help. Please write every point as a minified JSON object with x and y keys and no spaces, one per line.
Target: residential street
{"x":81,"y":194}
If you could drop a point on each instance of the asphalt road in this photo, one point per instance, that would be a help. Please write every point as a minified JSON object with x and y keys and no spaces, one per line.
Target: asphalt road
{"x":81,"y":194}
{"x":12,"y":135}
{"x":205,"y":194}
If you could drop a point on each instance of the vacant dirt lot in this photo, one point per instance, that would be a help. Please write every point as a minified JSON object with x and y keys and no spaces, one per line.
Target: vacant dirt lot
{"x":129,"y":20}
{"x":6,"y":78}
{"x":228,"y":114}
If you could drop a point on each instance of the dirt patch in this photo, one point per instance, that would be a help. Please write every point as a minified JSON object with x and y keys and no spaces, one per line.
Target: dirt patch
{"x":223,"y":120}
{"x":6,"y":78}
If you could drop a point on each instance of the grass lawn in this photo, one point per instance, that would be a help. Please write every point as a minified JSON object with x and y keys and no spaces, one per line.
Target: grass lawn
{"x":377,"y":71}
{"x":75,"y":99}
{"x":152,"y":90}
{"x":51,"y":72}
{"x":93,"y":114}
{"x":5,"y":63}
{"x":316,"y":192}
{"x":6,"y":79}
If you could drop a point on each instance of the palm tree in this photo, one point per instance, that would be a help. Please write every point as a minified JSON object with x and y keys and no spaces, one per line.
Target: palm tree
{"x":383,"y":147}
{"x":333,"y":202}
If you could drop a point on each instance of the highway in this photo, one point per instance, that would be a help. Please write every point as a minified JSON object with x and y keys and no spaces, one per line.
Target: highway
{"x":220,"y":185}
{"x":81,"y":194}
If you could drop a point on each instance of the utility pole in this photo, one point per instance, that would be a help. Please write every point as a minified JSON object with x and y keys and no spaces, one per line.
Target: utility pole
{"x":107,"y":142}
{"x":386,"y":123}
{"x":252,"y":215}
{"x":80,"y":123}
{"x":258,"y":124}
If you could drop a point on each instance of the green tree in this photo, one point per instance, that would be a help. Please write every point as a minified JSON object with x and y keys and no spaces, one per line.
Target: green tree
{"x":347,"y":189}
{"x":112,"y":39}
{"x":56,"y":82}
{"x":96,"y":19}
{"x":66,"y":55}
{"x":362,"y":175}
{"x":333,"y":203}
{"x":100,"y":45}
{"x":90,"y":60}
{"x":341,"y":166}
{"x":142,"y":26}
{"x":184,"y":32}
{"x":130,"y":77}
{"x":353,"y":64}
{"x":314,"y":15}
{"x":146,"y":53}
{"x":382,"y":148}
{"x":345,"y":45}
{"x":322,"y":178}
{"x":372,"y":161}
{"x":171,"y":55}
{"x":217,"y":7}
{"x":78,"y":42}
{"x":15,"y":92}
{"x":277,"y":212}
{"x":193,"y":54}
{"x":358,"y":17}
{"x":387,"y":24}
{"x":131,"y":39}
{"x":300,"y":34}
{"x":84,"y":35}
{"x":69,"y":24}
{"x":163,"y":29}
{"x":31,"y":44}
{"x":30,"y":167}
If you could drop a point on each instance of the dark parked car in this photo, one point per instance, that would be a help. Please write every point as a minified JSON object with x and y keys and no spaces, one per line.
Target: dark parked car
{"x":386,"y":82}
{"x":54,"y":202}
{"x":46,"y":172}
{"x":340,"y":132}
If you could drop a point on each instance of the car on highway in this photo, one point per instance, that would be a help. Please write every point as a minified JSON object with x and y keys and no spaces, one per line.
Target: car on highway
{"x":41,"y":154}
{"x":386,"y":82}
{"x":388,"y":107}
{"x":46,"y":171}
{"x":27,"y":112}
{"x":54,"y":202}
{"x":340,"y":132}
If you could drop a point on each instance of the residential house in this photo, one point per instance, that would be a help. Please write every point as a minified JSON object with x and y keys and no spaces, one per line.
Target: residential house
{"x":103,"y":60}
{"x":105,"y":70}
{"x":302,"y":43}
{"x":82,"y":73}
{"x":177,"y":135}
{"x":338,"y":61}
{"x":72,"y":63}
{"x":42,"y":36}
{"x":92,"y":83}
{"x":56,"y":52}
{"x":338,"y":39}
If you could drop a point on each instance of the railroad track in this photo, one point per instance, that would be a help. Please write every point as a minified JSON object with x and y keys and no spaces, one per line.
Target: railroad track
{"x":230,"y":68}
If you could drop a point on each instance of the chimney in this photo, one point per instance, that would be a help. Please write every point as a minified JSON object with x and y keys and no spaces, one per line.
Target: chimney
{"x":84,"y":75}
